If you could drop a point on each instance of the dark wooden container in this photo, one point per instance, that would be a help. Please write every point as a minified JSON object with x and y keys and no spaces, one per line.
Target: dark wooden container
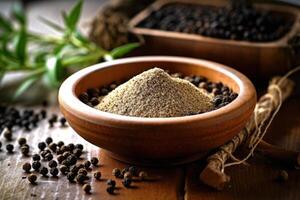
{"x":255,"y":59}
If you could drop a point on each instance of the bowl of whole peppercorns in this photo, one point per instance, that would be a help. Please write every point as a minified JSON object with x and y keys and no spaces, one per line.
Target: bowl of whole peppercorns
{"x":158,"y":140}
{"x":255,"y":39}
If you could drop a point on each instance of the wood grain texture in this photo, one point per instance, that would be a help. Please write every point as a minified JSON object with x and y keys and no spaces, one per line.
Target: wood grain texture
{"x":257,"y":181}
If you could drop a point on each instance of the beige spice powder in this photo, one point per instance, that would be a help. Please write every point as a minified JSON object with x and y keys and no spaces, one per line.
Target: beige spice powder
{"x":154,"y":93}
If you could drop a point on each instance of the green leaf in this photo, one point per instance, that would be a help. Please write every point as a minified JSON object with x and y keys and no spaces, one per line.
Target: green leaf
{"x":74,"y":15}
{"x":122,"y":50}
{"x":18,"y":13}
{"x":5,"y":24}
{"x":25,"y":86}
{"x":54,"y":71}
{"x":20,"y":45}
{"x":53,"y":25}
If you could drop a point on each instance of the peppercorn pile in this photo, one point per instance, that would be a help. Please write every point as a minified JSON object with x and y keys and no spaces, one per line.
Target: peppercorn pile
{"x":58,"y":160}
{"x":238,"y":21}
{"x":221,"y":94}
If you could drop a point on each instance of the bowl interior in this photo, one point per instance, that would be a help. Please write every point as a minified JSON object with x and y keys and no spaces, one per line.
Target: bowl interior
{"x":122,"y":72}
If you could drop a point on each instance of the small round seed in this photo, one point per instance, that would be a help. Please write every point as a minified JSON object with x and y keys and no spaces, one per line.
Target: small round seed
{"x":87,"y":164}
{"x":25,"y":150}
{"x":36,"y":157}
{"x":60,"y":159}
{"x":133,"y":170}
{"x":22,"y":141}
{"x":80,"y":178}
{"x":127,"y":182}
{"x":52,"y":164}
{"x":42,"y":146}
{"x":54,"y":171}
{"x":87,"y":188}
{"x":26,"y":167}
{"x":82,"y":171}
{"x":71,"y":176}
{"x":79,"y":146}
{"x":10,"y":148}
{"x":60,"y":144}
{"x":143,"y":175}
{"x":111,"y":182}
{"x":44,"y":171}
{"x":53,"y":147}
{"x":32,"y":178}
{"x":116,"y":172}
{"x":49,"y":140}
{"x":110,"y":189}
{"x":49,"y":156}
{"x":7,"y":135}
{"x":128,"y":175}
{"x":97,"y":175}
{"x":94,"y":161}
{"x":64,"y":169}
{"x":36,"y":165}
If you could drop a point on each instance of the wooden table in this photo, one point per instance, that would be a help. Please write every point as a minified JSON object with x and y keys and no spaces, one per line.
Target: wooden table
{"x":255,"y":181}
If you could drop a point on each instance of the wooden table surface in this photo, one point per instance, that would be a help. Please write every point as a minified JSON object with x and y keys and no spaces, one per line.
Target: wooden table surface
{"x":254,"y":181}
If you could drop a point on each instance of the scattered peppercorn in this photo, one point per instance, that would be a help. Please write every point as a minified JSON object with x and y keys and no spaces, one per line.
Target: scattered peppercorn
{"x":71,"y":176}
{"x":26,"y":167}
{"x":49,"y":140}
{"x":54,"y":171}
{"x":82,"y":171}
{"x":32,"y":178}
{"x":79,"y":146}
{"x":25,"y":150}
{"x":66,"y":154}
{"x":133,"y":170}
{"x":126,"y":182}
{"x":64,"y":169}
{"x":49,"y":156}
{"x":94,"y":161}
{"x":72,"y":159}
{"x":42,"y":145}
{"x":80,"y":178}
{"x":283,"y":176}
{"x":128,"y":175}
{"x":116,"y":172}
{"x":60,"y":144}
{"x":44,"y":171}
{"x":53,"y":147}
{"x":143,"y":175}
{"x":7,"y":135}
{"x":110,"y":189}
{"x":97,"y":175}
{"x":36,"y":157}
{"x":22,"y":141}
{"x":87,"y":188}
{"x":111,"y":182}
{"x":62,"y":121}
{"x":52,"y":164}
{"x":10,"y":148}
{"x":87,"y":164}
{"x":60,"y":159}
{"x":77,"y":152}
{"x":36,"y":165}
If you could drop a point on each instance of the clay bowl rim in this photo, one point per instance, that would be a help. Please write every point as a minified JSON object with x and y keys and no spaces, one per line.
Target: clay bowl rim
{"x":71,"y":103}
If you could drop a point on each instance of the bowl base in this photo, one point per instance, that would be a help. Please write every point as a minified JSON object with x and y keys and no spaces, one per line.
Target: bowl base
{"x":155,"y":163}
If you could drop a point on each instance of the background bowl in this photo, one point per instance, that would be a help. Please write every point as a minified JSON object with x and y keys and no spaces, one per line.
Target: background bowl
{"x":156,"y":140}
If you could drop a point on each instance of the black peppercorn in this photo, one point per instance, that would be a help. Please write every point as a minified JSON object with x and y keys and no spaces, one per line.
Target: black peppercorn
{"x":94,"y":101}
{"x":44,"y":153}
{"x":72,"y":159}
{"x":79,"y":146}
{"x":60,"y":159}
{"x":87,"y":188}
{"x":10,"y":148}
{"x":127,"y":182}
{"x":127,"y":175}
{"x":53,"y":147}
{"x":116,"y":172}
{"x":36,"y":165}
{"x":43,"y":113}
{"x":32,"y":178}
{"x":44,"y":171}
{"x":110,"y":189}
{"x":77,"y":152}
{"x":94,"y":161}
{"x":7,"y":135}
{"x":65,"y":162}
{"x":133,"y":170}
{"x":71,"y":146}
{"x":64,"y":169}
{"x":65,"y":148}
{"x":22,"y":141}
{"x":52,"y":164}
{"x":71,"y":176}
{"x":63,"y":121}
{"x":66,"y":154}
{"x":97,"y":175}
{"x":25,"y":150}
{"x":60,"y":144}
{"x":26,"y":167}
{"x":42,"y":146}
{"x":80,"y":178}
{"x":111,"y":182}
{"x":104,"y":91}
{"x":49,"y":156}
{"x":54,"y":171}
{"x":87,"y":164}
{"x":49,"y":140}
{"x":82,"y":171}
{"x":143,"y":175}
{"x":36,"y":157}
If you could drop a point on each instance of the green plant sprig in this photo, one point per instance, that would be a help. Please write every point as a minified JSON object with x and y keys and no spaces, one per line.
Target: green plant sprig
{"x":48,"y":56}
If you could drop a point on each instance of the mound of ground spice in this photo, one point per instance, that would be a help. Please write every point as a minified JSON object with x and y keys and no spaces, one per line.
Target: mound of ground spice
{"x":154,"y":93}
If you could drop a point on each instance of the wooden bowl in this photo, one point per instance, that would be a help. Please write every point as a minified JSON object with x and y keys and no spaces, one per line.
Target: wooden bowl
{"x":255,"y":59}
{"x":160,"y":141}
